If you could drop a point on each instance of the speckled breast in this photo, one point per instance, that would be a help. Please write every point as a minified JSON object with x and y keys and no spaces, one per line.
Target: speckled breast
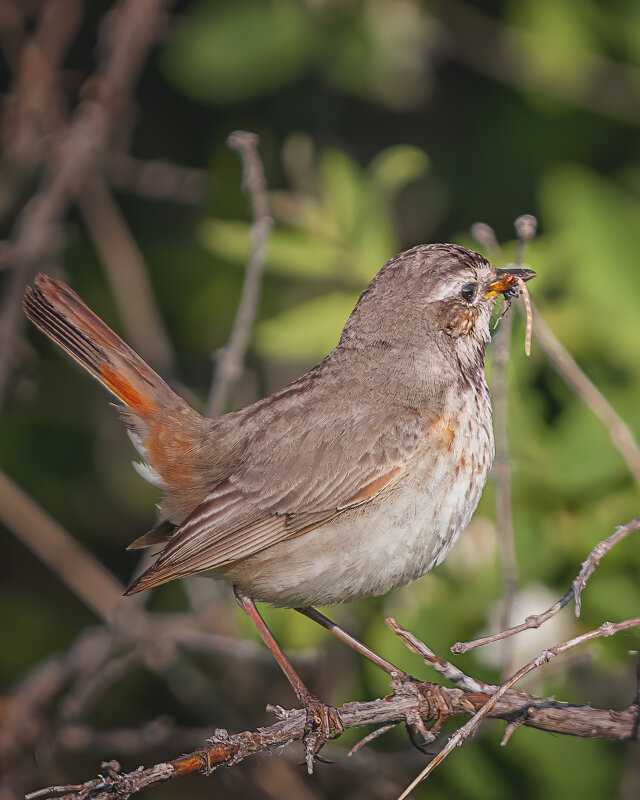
{"x":397,"y":536}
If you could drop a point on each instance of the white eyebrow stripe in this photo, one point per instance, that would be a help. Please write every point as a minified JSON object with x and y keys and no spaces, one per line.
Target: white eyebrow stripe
{"x":452,"y":290}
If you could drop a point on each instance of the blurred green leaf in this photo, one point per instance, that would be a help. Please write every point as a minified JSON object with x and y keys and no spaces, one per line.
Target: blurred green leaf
{"x":308,"y":331}
{"x":600,"y":241}
{"x":396,"y":166}
{"x":226,"y":52}
{"x":289,"y":252}
{"x":560,"y":38}
{"x":343,"y":191}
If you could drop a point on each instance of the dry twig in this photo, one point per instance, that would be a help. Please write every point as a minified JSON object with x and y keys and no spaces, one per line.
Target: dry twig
{"x":573,"y":593}
{"x":126,"y":272}
{"x":562,"y":361}
{"x":127,"y":34}
{"x":370,"y":737}
{"x":229,"y":359}
{"x":445,"y":668}
{"x":429,"y":701}
{"x":461,"y":735}
{"x":526,"y":227}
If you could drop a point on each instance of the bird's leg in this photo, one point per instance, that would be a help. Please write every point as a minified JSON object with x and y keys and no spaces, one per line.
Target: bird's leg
{"x":323,"y":721}
{"x":394,"y":672}
{"x":401,"y":681}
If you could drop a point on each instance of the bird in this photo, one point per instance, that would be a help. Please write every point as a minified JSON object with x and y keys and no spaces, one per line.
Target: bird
{"x":354,"y":480}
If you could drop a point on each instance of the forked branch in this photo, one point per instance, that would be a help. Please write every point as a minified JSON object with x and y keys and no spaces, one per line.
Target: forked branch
{"x":226,"y":749}
{"x":573,"y":593}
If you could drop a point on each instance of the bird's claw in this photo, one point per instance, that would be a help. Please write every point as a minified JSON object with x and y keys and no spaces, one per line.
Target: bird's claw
{"x":322,"y":723}
{"x":419,"y":735}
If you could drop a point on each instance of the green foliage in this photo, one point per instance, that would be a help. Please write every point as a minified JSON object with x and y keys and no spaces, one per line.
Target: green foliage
{"x":343,"y":233}
{"x":220,"y":53}
{"x":310,"y":330}
{"x":227,"y":52}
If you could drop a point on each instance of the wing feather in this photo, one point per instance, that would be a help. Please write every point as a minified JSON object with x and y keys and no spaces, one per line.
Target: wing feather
{"x":282,"y":492}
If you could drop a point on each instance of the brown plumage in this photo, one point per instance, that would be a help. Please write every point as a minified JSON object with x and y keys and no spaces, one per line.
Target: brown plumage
{"x":355,"y":479}
{"x":350,"y":435}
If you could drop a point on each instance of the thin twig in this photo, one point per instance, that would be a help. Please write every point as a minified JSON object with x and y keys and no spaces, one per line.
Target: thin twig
{"x":126,"y":272}
{"x":445,"y":668}
{"x":370,"y":737}
{"x":575,"y":377}
{"x":156,"y":179}
{"x":501,"y":478}
{"x":75,"y":566}
{"x":461,"y":735}
{"x":501,"y":470}
{"x":230,"y":358}
{"x":525,"y":227}
{"x":126,"y":36}
{"x":428,"y":702}
{"x":573,"y":593}
{"x":508,"y":731}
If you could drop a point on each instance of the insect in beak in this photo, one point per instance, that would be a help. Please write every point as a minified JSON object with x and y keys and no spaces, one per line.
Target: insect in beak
{"x":507,"y":280}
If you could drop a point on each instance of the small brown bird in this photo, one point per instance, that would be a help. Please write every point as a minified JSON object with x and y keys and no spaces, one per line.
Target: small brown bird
{"x":354,"y":480}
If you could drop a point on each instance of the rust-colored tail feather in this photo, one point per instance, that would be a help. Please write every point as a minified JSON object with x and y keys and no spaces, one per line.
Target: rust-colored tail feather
{"x":164,"y":428}
{"x":60,"y":314}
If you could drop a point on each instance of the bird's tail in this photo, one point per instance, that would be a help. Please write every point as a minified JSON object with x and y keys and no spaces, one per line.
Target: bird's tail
{"x":59,"y":313}
{"x":165,"y":430}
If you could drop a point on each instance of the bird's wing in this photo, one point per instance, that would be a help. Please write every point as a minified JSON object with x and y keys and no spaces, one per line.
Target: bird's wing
{"x":297,"y":483}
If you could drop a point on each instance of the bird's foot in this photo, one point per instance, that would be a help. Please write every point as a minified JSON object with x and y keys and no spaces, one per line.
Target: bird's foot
{"x":420,"y":736}
{"x":323,"y":723}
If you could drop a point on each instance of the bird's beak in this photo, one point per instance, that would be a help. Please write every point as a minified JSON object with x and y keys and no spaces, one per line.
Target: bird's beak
{"x":506,"y":279}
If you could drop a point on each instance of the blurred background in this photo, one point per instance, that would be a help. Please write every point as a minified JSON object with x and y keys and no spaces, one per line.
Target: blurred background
{"x":382,"y":124}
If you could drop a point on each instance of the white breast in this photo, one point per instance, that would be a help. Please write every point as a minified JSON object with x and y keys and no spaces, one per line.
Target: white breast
{"x":391,"y":540}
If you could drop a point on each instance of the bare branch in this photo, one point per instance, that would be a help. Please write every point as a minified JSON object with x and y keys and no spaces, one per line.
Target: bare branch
{"x":575,"y":377}
{"x":76,"y":567}
{"x":596,"y":555}
{"x":156,"y":179}
{"x":230,"y":358}
{"x":526,"y":226}
{"x":427,"y":702}
{"x":461,"y":735}
{"x":127,"y":273}
{"x":127,"y":33}
{"x":445,"y":668}
{"x":574,"y":592}
{"x":370,"y":737}
{"x":501,"y":476}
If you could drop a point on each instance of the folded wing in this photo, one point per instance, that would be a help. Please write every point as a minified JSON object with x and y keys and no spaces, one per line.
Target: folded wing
{"x":299,"y":482}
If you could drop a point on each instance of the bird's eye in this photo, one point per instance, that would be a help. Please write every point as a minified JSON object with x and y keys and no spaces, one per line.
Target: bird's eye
{"x":468,"y":292}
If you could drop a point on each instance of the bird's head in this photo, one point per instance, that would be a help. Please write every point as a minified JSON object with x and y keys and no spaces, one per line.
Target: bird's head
{"x":435,"y":298}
